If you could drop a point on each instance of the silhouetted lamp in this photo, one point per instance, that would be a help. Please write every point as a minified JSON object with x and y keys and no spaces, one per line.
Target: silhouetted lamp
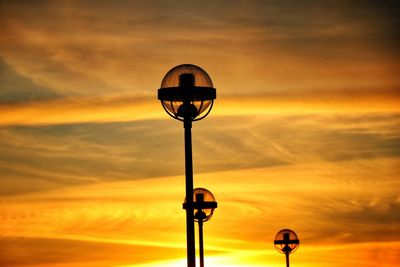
{"x":187,"y":94}
{"x":187,"y":91}
{"x":204,"y":205}
{"x":286,"y":242}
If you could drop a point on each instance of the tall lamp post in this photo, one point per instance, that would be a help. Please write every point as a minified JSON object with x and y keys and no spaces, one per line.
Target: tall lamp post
{"x":286,"y":242}
{"x":187,"y":94}
{"x":204,"y":205}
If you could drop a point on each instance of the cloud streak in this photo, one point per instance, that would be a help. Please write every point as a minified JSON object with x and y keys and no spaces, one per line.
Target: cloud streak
{"x":52,"y":156}
{"x":127,"y":108}
{"x":80,"y":110}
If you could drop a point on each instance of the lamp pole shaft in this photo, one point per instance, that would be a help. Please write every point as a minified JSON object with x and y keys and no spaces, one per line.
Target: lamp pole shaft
{"x":201,"y":248}
{"x":287,"y":259}
{"x":190,"y":239}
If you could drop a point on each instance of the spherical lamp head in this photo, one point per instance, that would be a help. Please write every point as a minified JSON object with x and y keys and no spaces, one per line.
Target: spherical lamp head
{"x":187,"y":92}
{"x":204,"y":204}
{"x":286,"y":241}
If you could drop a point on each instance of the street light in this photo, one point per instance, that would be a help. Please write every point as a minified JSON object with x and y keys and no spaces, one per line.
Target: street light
{"x":286,"y":242}
{"x":204,"y":205}
{"x":187,"y":94}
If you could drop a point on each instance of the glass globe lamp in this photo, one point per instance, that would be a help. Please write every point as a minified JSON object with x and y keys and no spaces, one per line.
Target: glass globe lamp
{"x":204,"y":204}
{"x":286,"y":241}
{"x":187,"y":92}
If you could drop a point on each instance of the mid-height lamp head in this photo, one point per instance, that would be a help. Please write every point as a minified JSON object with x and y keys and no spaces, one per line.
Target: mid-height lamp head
{"x":204,"y":204}
{"x":286,"y":241}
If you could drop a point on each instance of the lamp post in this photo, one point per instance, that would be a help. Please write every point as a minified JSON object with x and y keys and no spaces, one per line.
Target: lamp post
{"x":187,"y":94}
{"x":286,"y":242}
{"x":204,"y":205}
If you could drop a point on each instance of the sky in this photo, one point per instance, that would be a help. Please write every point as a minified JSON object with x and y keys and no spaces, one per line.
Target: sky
{"x":304,"y":133}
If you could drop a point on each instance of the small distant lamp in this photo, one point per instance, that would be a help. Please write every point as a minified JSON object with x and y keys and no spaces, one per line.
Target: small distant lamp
{"x":286,"y":242}
{"x":204,"y":205}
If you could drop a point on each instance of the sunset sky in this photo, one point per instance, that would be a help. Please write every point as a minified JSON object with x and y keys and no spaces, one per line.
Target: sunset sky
{"x":304,"y":133}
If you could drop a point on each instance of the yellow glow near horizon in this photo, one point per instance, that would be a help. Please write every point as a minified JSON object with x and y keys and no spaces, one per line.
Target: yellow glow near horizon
{"x":145,"y":218}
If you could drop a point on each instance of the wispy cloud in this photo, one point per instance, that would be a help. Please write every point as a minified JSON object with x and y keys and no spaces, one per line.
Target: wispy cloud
{"x":127,"y":48}
{"x":53,"y":156}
